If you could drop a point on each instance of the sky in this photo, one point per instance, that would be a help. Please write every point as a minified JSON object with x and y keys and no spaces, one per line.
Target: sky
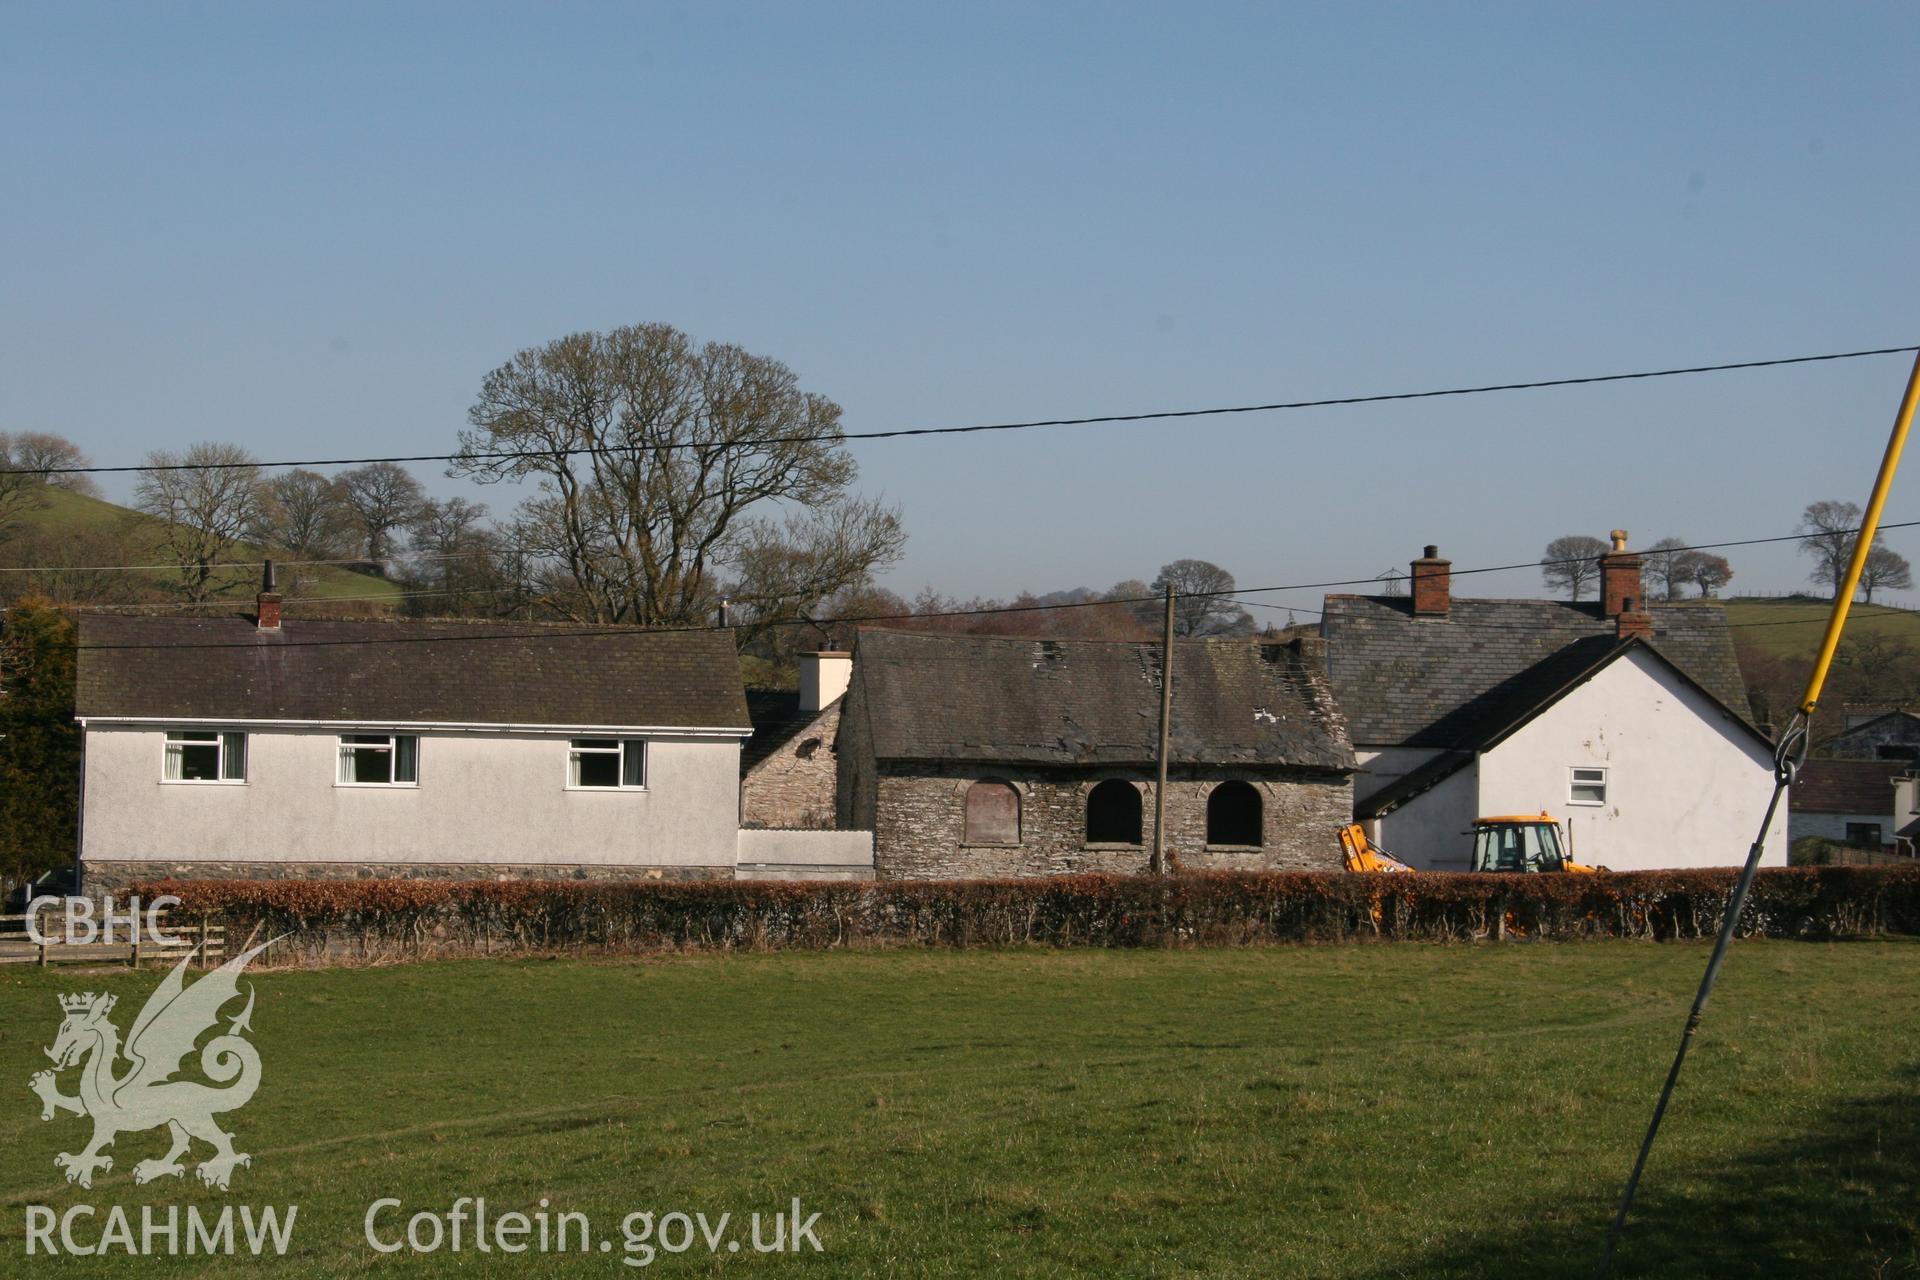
{"x":313,"y":229}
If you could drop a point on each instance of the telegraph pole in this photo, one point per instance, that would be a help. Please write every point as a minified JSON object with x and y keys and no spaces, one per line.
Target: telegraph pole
{"x":1159,"y":864}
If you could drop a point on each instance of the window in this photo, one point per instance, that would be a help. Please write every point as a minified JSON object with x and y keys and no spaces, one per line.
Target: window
{"x":1588,"y":786}
{"x":379,"y":760}
{"x":1517,"y":846}
{"x":1233,"y":814}
{"x":993,"y":814}
{"x":202,"y":755}
{"x":1863,"y":835}
{"x":611,"y":763}
{"x":1113,"y":813}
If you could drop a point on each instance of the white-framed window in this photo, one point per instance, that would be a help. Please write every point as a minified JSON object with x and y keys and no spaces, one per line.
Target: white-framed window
{"x":205,"y":755}
{"x":379,"y":760}
{"x":1586,"y":785}
{"x":611,"y":764}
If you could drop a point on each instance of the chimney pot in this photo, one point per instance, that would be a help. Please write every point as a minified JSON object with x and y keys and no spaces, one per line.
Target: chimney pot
{"x":1432,"y":552}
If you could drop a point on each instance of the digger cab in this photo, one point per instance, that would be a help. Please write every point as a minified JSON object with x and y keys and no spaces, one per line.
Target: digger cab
{"x":1520,"y":843}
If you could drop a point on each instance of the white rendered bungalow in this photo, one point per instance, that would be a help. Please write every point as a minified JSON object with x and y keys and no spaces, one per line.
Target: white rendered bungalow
{"x":257,"y":747}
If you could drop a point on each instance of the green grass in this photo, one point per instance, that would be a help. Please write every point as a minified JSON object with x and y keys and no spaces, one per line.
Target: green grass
{"x":76,"y":512}
{"x":1360,"y":1111}
{"x":1792,"y":627}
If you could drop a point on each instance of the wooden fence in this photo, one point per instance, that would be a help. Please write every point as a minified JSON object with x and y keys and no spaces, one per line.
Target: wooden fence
{"x":184,"y":934}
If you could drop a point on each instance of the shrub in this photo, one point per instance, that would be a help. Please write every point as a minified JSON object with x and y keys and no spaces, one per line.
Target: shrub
{"x":376,"y":919}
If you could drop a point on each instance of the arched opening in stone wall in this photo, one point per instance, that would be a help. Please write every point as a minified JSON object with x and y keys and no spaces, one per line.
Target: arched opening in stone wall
{"x":1113,"y":813}
{"x":1233,"y":814}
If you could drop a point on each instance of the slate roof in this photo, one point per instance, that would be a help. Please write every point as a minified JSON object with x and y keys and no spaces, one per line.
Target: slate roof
{"x":1519,"y":701}
{"x":777,"y":720}
{"x":1844,"y":786}
{"x":1084,"y":702}
{"x":1445,"y":682}
{"x":406,"y":672}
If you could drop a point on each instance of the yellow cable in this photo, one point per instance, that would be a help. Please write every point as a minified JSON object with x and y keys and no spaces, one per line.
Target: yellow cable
{"x":1869,"y":529}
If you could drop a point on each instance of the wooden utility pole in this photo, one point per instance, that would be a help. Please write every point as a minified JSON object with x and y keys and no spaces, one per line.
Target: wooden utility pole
{"x":1159,"y":863}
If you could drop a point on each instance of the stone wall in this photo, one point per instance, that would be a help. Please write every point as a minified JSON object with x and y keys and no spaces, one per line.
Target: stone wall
{"x":111,"y":876}
{"x":920,"y":822}
{"x":794,"y":787}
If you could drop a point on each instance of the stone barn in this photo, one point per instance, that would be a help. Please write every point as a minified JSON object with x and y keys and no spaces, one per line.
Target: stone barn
{"x":972,"y":756}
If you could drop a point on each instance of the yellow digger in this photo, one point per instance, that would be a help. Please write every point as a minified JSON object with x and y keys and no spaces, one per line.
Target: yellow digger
{"x":1507,"y":843}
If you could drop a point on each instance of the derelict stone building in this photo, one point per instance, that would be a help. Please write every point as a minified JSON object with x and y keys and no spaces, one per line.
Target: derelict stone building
{"x":971,"y":756}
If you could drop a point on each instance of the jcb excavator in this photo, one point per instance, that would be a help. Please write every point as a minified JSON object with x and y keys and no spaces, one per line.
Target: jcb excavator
{"x":1517,"y":843}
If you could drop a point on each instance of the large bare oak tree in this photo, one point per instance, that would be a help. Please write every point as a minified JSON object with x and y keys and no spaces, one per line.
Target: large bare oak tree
{"x":671,"y":472}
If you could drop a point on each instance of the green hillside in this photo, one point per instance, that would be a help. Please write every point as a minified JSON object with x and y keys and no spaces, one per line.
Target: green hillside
{"x":1791,"y":627}
{"x":78,"y":514}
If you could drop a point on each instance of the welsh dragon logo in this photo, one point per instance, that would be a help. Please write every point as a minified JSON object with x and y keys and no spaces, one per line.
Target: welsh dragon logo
{"x":145,"y":1094}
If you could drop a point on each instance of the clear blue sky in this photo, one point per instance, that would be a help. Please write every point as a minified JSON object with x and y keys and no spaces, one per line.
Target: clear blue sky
{"x":312,"y":230}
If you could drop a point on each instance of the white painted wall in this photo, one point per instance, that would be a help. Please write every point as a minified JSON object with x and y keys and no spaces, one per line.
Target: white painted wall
{"x":1430,"y":832}
{"x":778,"y":854}
{"x":493,"y":797}
{"x":824,"y":676}
{"x":1381,"y":765}
{"x":1686,"y":785}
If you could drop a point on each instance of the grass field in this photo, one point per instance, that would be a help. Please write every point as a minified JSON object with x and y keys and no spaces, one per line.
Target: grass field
{"x":1792,"y":628}
{"x":65,"y":511}
{"x":1360,"y":1111}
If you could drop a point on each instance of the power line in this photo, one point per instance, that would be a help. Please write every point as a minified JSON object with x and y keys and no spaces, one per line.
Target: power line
{"x":973,"y":611}
{"x":977,"y":428}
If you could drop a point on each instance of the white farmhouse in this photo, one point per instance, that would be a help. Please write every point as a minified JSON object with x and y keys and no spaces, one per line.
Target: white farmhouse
{"x":253,"y":747}
{"x":1627,"y":723}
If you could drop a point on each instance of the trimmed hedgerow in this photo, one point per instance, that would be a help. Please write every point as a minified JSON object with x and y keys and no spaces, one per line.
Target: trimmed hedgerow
{"x":375,"y":919}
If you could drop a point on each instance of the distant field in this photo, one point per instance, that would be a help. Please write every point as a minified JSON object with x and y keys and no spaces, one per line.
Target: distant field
{"x":1792,"y":627}
{"x":1343,"y":1111}
{"x":73,"y":511}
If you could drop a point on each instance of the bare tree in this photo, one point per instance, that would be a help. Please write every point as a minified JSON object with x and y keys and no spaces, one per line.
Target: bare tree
{"x":1200,"y":606}
{"x":465,"y":563}
{"x":43,"y":453}
{"x":383,"y":496}
{"x":655,"y":458}
{"x":206,"y":501}
{"x":1573,"y":561}
{"x":19,"y":491}
{"x":791,"y":569}
{"x":1885,"y":570}
{"x":1830,"y":528}
{"x":304,"y":512}
{"x":1665,"y":566}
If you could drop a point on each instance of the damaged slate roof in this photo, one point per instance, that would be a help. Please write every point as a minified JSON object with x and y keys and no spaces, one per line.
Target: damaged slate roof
{"x":405,"y":672}
{"x":1037,"y":701}
{"x":1446,"y":682}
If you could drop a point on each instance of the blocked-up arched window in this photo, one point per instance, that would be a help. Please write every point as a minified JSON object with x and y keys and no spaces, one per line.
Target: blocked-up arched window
{"x":993,"y":814}
{"x":1233,"y":814}
{"x":1113,"y":813}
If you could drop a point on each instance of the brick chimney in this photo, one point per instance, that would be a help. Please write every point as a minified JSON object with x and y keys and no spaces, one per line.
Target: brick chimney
{"x":267,"y":604}
{"x":1620,"y":578}
{"x":1432,"y":585}
{"x":824,"y":676}
{"x":1633,"y":620}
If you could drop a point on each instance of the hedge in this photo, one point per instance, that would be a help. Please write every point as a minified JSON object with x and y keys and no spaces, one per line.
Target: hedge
{"x":398,"y":918}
